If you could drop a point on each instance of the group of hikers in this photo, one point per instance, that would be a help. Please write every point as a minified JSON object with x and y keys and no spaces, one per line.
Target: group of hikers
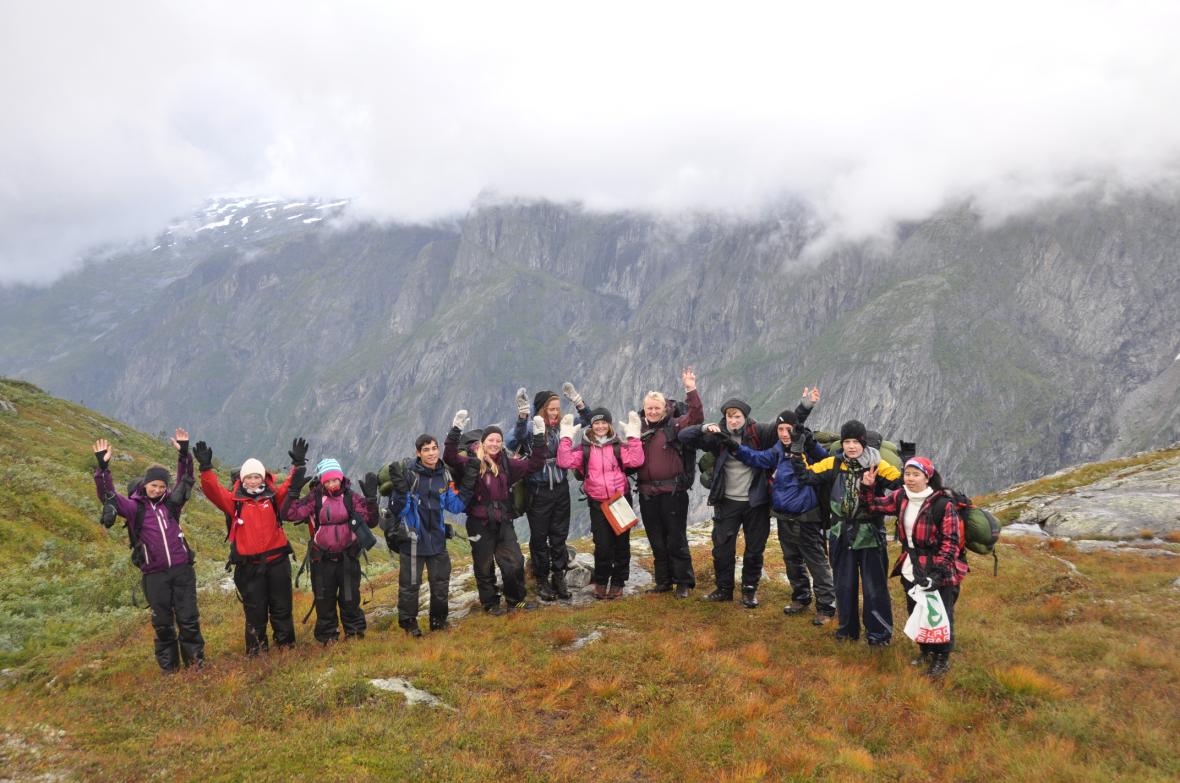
{"x":830,"y":511}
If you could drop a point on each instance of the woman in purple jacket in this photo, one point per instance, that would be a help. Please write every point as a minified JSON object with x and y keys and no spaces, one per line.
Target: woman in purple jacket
{"x":152,"y":512}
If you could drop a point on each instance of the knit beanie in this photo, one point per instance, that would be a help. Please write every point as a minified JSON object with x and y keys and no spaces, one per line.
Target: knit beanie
{"x":853,"y":430}
{"x":492,"y":430}
{"x":734,"y":402}
{"x":601,"y":414}
{"x":156,"y":473}
{"x":252,"y":466}
{"x":542,"y":399}
{"x":329,"y":469}
{"x":787,"y":417}
{"x":922,"y":464}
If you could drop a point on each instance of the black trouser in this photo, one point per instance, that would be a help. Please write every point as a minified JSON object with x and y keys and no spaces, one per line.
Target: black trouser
{"x":950,"y":594}
{"x":730,"y":517}
{"x":869,"y":568}
{"x":172,"y":596}
{"x":549,"y":527}
{"x":494,"y":545}
{"x":409,"y":580}
{"x":803,"y":553}
{"x":336,"y":581}
{"x":265,"y":590}
{"x":665,"y":518}
{"x":612,"y":551}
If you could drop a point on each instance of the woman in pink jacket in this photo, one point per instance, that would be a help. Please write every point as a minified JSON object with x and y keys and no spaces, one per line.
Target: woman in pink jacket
{"x":600,"y":461}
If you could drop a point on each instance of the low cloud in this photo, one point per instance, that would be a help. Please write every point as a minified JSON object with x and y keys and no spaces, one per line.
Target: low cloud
{"x":120,"y":116}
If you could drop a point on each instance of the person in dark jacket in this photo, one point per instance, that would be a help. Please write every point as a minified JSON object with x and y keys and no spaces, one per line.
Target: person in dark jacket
{"x":663,"y":482}
{"x":258,"y":547}
{"x":489,"y":514}
{"x":933,"y":557}
{"x":795,"y":506}
{"x":419,"y":533}
{"x":333,"y":551}
{"x":152,"y":513}
{"x":547,"y":492}
{"x":857,"y":536}
{"x":740,"y":496}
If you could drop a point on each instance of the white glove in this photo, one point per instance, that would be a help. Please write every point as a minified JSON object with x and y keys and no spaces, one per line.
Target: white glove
{"x":571,"y":394}
{"x":567,"y":426}
{"x":631,"y":428}
{"x":538,"y":425}
{"x":522,"y":403}
{"x":460,"y":420}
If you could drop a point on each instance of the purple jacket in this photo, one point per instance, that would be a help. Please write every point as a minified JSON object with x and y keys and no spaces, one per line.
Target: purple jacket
{"x":161,"y":541}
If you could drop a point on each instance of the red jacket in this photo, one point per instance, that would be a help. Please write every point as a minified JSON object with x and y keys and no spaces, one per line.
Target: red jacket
{"x":256,"y":530}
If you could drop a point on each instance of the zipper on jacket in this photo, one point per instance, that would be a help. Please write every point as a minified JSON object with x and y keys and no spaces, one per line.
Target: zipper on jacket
{"x":163,"y":523}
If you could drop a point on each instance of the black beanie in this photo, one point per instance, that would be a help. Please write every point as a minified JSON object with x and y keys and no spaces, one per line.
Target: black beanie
{"x":600,"y":414}
{"x":156,"y":473}
{"x":787,"y":417}
{"x":734,"y":402}
{"x":853,"y":430}
{"x":492,"y":430}
{"x":542,"y":399}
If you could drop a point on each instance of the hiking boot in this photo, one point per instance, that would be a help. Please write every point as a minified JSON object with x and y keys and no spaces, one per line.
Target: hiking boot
{"x":682,"y":591}
{"x":879,"y":642}
{"x":523,"y":606}
{"x":545,"y":591}
{"x":356,"y":635}
{"x":559,"y":585}
{"x":599,"y":592}
{"x":719,"y":595}
{"x":794,"y":608}
{"x":495,"y":610}
{"x":822,"y":618}
{"x":750,"y":597}
{"x":923,"y":659}
{"x":660,"y":588}
{"x":940,"y":664}
{"x":439,"y":625}
{"x":614,"y":592}
{"x":843,"y":637}
{"x":413,"y":630}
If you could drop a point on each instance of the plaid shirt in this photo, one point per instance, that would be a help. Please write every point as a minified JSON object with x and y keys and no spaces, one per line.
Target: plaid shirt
{"x":938,"y":548}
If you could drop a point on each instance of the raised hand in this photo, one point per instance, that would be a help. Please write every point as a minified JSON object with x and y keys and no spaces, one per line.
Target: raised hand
{"x":204,"y":455}
{"x":461,"y":419}
{"x":522,"y":403}
{"x":571,"y":394}
{"x":298,"y":452}
{"x":689,"y":378}
{"x":180,"y":440}
{"x":538,"y":426}
{"x":103,"y":453}
{"x":631,"y":428}
{"x":369,"y":485}
{"x":810,"y":396}
{"x":567,"y":427}
{"x":869,"y":477}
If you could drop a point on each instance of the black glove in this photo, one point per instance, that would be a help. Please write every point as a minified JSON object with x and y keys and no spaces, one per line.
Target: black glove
{"x":298,"y":452}
{"x":101,"y":458}
{"x":369,"y":485}
{"x":204,"y":455}
{"x":734,"y":441}
{"x":454,"y":435}
{"x":183,"y":446}
{"x":397,"y":479}
{"x":298,"y":482}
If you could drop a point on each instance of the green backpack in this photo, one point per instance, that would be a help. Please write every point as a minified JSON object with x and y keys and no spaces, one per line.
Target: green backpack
{"x":981,"y":529}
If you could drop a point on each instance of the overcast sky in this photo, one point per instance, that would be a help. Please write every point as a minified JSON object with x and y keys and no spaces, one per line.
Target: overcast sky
{"x":121,"y":115}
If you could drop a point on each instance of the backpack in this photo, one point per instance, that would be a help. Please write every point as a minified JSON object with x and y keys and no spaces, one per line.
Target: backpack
{"x":981,"y":529}
{"x":364,"y":536}
{"x":676,"y":409}
{"x":618,"y":449}
{"x":708,"y":460}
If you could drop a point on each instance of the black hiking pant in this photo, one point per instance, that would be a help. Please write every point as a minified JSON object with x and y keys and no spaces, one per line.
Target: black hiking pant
{"x":612,"y":551}
{"x":336,"y":582}
{"x":950,"y":594}
{"x":265,"y":590}
{"x":804,"y":553}
{"x":172,"y":596}
{"x":867,"y":568}
{"x":409,"y":583}
{"x":729,"y":518}
{"x":665,"y":518}
{"x":495,"y":545}
{"x":549,"y":527}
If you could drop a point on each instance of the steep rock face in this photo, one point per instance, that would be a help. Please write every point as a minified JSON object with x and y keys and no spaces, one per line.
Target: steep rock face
{"x":1006,"y":351}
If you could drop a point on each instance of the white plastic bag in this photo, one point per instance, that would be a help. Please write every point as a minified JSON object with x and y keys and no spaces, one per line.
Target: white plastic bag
{"x":928,"y":623}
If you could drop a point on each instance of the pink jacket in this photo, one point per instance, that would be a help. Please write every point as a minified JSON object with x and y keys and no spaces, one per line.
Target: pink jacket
{"x":604,"y":475}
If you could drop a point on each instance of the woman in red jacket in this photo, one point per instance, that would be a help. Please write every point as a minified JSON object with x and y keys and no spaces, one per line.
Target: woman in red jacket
{"x":932,"y":545}
{"x":258,"y":547}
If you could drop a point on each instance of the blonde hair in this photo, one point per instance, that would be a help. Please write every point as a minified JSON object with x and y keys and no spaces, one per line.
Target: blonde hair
{"x":485,"y":462}
{"x":655,"y":395}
